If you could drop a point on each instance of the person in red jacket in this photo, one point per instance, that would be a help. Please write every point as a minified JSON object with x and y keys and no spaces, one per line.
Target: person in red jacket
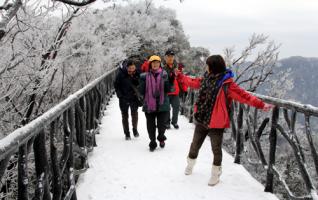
{"x":211,"y":112}
{"x":171,"y":68}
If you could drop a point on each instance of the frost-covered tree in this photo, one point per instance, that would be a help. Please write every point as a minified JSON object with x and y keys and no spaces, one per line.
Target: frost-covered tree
{"x":31,"y":36}
{"x":47,"y":56}
{"x":255,"y":64}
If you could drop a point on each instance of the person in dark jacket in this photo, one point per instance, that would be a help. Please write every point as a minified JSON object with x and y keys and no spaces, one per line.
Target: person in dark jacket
{"x":154,"y":86}
{"x":126,"y":86}
{"x":211,"y":110}
{"x":172,"y":67}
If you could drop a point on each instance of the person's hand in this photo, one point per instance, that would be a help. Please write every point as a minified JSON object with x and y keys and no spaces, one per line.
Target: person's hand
{"x":267,"y":107}
{"x":178,"y":73}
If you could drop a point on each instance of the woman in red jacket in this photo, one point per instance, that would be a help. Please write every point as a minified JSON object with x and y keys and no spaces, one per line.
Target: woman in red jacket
{"x":210,"y":110}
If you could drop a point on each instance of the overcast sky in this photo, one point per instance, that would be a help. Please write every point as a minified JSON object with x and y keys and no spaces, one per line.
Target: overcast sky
{"x":216,"y":24}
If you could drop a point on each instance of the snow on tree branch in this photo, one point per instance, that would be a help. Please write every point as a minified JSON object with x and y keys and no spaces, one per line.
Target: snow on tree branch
{"x":6,"y":7}
{"x":7,"y":12}
{"x":250,"y":71}
{"x":76,"y":3}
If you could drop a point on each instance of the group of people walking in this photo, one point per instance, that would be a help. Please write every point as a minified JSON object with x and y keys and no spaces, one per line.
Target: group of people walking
{"x":156,"y":87}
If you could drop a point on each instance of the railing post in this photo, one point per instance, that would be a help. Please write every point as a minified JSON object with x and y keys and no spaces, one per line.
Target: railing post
{"x":310,"y":141}
{"x":109,"y":92}
{"x":3,"y":167}
{"x":88,"y":121}
{"x":56,"y":172}
{"x":66,"y":151}
{"x":239,"y":136}
{"x":272,"y":151}
{"x":42,"y":190}
{"x":81,"y":133}
{"x":92,"y":117}
{"x":99,"y":105}
{"x":93,"y":106}
{"x":23,"y":180}
{"x":233,"y":126}
{"x":71,"y":193}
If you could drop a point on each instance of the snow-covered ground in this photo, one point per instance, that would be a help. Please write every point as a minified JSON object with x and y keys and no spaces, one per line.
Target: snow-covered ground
{"x":121,"y":170}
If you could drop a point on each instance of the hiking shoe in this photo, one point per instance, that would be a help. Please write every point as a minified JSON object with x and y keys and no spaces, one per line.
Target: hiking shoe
{"x":152,"y":149}
{"x":152,"y":146}
{"x":176,"y":126}
{"x":127,"y":137}
{"x":136,"y":134}
{"x":162,"y":144}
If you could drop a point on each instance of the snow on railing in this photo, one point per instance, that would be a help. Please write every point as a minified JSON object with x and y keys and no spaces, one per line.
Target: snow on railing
{"x":68,"y":130}
{"x":246,"y":128}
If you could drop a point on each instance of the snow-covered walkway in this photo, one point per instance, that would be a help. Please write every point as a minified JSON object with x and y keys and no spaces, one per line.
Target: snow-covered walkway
{"x":126,"y":170}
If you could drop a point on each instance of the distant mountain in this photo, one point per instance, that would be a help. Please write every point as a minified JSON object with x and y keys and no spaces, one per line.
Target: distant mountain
{"x":304,"y":72}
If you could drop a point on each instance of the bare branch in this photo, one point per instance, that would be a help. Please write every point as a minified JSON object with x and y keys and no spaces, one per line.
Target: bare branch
{"x":76,"y":3}
{"x":257,"y":71}
{"x":11,"y":11}
{"x":6,"y":7}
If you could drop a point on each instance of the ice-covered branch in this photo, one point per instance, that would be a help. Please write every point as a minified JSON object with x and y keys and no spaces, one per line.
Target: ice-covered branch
{"x":76,"y":3}
{"x":8,"y":11}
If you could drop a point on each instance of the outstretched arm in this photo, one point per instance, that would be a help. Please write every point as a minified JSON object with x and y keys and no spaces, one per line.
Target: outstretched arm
{"x":240,"y":95}
{"x":194,"y":83}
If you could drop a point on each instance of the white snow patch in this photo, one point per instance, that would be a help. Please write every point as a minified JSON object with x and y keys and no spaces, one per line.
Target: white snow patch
{"x":314,"y":195}
{"x":121,"y":170}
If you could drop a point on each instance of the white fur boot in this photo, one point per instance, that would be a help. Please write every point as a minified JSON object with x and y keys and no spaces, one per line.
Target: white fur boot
{"x":215,"y":175}
{"x":189,"y":168}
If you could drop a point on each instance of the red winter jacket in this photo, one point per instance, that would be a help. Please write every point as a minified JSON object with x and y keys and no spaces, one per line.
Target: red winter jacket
{"x":175,"y":88}
{"x":220,"y":117}
{"x":145,"y":66}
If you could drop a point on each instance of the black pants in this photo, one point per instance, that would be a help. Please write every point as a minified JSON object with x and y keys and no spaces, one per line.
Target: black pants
{"x":175,"y":104}
{"x":152,"y":118}
{"x":124,"y":107}
{"x":216,"y":138}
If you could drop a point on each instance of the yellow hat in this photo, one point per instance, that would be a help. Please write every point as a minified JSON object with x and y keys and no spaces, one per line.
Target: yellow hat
{"x":154,"y":58}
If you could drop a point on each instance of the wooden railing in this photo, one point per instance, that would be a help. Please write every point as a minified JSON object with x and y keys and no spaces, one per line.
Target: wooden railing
{"x":50,"y":152}
{"x":246,"y":127}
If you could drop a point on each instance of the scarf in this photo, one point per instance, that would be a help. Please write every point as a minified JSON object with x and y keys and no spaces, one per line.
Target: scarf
{"x":210,"y":87}
{"x":154,"y":89}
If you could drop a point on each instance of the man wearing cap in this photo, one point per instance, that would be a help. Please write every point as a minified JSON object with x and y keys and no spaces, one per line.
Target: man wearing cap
{"x":171,"y":68}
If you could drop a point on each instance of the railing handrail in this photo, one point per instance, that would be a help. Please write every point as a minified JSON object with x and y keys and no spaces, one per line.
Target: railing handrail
{"x":303,"y":108}
{"x":12,"y":141}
